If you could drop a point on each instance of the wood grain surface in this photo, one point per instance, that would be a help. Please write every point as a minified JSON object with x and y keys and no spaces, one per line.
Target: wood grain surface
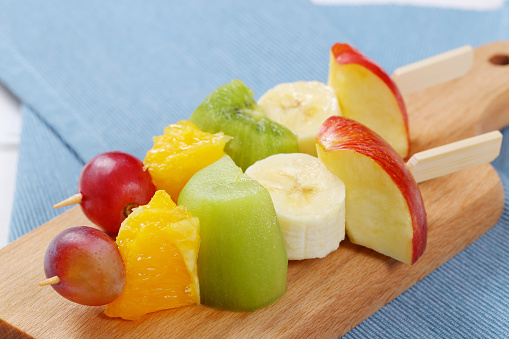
{"x":473,"y":104}
{"x":326,"y":297}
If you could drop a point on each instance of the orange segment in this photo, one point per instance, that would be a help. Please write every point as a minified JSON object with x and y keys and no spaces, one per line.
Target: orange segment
{"x":182,"y":151}
{"x":159,"y":243}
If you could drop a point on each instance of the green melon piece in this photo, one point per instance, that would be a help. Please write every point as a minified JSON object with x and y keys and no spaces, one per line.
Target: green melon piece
{"x":232,"y":109}
{"x":242,"y":262}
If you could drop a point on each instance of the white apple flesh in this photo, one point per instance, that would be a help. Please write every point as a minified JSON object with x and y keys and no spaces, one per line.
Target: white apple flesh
{"x":368,"y":95}
{"x":384,"y":207}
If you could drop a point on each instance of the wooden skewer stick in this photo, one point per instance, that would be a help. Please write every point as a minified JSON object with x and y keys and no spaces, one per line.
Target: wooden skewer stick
{"x":455,"y":156}
{"x":432,"y":71}
{"x":50,"y":281}
{"x":75,"y":199}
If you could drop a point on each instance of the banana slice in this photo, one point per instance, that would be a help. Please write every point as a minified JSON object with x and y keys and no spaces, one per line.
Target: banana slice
{"x":302,"y":107}
{"x":309,"y":202}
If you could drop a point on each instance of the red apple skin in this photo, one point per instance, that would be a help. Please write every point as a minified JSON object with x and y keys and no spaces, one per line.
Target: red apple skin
{"x":345,"y":54}
{"x":111,"y":184}
{"x":340,"y":133}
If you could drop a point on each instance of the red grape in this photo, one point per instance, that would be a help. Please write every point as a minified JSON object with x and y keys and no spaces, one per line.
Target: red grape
{"x":111,"y":185}
{"x":88,"y":264}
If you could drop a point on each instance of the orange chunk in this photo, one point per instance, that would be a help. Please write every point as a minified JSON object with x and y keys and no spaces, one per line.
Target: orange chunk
{"x":159,"y":243}
{"x":182,"y":151}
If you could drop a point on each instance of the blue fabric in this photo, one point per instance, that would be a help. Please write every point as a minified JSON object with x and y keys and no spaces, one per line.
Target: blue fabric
{"x":47,"y":169}
{"x":97,"y":76}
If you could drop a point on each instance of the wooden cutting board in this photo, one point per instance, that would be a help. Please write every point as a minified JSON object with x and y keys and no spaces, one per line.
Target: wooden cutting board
{"x":326,"y":297}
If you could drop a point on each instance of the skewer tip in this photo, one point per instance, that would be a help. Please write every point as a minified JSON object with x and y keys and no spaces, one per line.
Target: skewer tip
{"x":75,"y":199}
{"x":50,"y":281}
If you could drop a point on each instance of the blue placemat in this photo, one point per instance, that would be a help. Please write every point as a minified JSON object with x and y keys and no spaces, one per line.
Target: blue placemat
{"x":100,"y":76}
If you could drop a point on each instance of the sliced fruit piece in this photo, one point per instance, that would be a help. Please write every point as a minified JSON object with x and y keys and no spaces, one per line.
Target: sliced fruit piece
{"x":302,"y":107}
{"x":182,"y":151}
{"x":232,"y":109}
{"x":368,"y":95}
{"x":309,"y":202}
{"x":242,"y":262}
{"x":384,"y":207}
{"x":159,"y":243}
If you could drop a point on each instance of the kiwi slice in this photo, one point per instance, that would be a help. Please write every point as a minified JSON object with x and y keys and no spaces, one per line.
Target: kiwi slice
{"x":232,"y":109}
{"x":242,"y":262}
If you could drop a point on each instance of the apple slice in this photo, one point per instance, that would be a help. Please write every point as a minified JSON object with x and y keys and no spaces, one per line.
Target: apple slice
{"x":367,"y":94}
{"x":384,"y":207}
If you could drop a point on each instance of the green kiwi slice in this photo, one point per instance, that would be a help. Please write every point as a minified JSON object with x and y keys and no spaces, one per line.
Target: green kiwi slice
{"x":232,"y":109}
